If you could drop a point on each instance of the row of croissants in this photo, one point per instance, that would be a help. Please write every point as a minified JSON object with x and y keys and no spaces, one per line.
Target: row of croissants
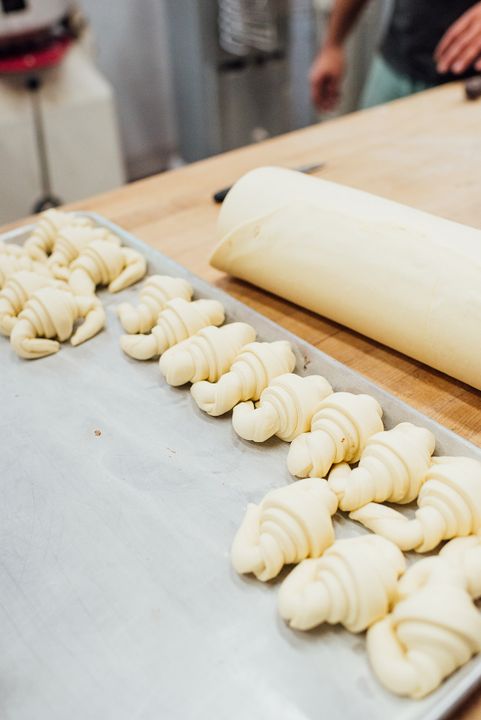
{"x":47,"y":285}
{"x":422,"y":623}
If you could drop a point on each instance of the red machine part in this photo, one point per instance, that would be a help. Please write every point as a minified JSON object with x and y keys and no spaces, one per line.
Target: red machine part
{"x":42,"y":59}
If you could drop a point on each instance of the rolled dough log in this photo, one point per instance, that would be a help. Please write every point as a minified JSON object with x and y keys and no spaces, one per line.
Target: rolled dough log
{"x":403,"y":277}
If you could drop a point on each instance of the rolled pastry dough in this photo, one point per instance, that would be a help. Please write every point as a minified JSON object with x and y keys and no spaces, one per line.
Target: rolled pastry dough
{"x":353,"y":583}
{"x":433,"y":629}
{"x":392,"y":467}
{"x":177,"y":321}
{"x":251,"y":372}
{"x":207,"y":355}
{"x":10,"y":264}
{"x":290,"y":524}
{"x":105,"y":263}
{"x":70,"y":241}
{"x":52,"y":313}
{"x":11,"y":249}
{"x":17,"y":290}
{"x":465,"y":554}
{"x":339,"y":432}
{"x":403,"y":277}
{"x":285,"y":408}
{"x":449,"y":505}
{"x":42,"y":240}
{"x":154,"y":295}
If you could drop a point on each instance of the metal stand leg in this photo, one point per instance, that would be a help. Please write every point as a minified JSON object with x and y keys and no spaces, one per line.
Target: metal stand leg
{"x":48,"y":200}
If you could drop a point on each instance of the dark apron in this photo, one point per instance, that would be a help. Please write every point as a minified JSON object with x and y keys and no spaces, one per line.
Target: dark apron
{"x":415,"y":29}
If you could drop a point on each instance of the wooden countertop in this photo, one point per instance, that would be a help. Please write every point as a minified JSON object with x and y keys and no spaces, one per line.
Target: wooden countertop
{"x":423,"y":151}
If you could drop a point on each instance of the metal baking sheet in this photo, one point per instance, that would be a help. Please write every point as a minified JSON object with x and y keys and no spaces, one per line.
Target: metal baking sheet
{"x":119,"y":502}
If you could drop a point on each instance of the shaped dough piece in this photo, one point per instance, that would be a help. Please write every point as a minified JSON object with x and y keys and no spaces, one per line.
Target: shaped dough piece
{"x":339,"y":432}
{"x":458,"y":563}
{"x":449,"y":505}
{"x":10,"y":264}
{"x":285,"y":408}
{"x":51,"y":313}
{"x":70,"y":241}
{"x":42,"y":240}
{"x":17,"y":290}
{"x":179,"y":320}
{"x":11,"y":249}
{"x":104,"y":263}
{"x":433,"y":630}
{"x":251,"y":372}
{"x":290,"y":524}
{"x":207,"y":355}
{"x":154,"y":295}
{"x":392,"y":467}
{"x":464,"y":553}
{"x":353,"y":583}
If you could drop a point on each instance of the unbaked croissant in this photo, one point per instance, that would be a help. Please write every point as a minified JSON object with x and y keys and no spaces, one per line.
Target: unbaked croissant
{"x":11,"y":249}
{"x":42,"y":240}
{"x":154,"y":295}
{"x":17,"y":290}
{"x":104,"y":263}
{"x":177,"y":321}
{"x":339,"y":432}
{"x":69,"y":243}
{"x":464,"y":553}
{"x":449,"y":505}
{"x":433,"y":629}
{"x":10,"y":264}
{"x":51,"y":313}
{"x":251,"y":372}
{"x":285,"y":408}
{"x":290,"y":524}
{"x":392,"y":467}
{"x":353,"y":583}
{"x":207,"y":355}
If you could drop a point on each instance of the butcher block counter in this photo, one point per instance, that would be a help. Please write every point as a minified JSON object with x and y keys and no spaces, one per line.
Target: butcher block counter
{"x":423,"y":151}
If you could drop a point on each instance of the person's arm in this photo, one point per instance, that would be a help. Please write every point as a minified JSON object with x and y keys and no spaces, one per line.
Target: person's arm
{"x":460,"y":46}
{"x":327,"y":69}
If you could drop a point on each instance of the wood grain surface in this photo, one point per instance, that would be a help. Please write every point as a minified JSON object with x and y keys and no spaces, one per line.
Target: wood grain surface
{"x":423,"y":151}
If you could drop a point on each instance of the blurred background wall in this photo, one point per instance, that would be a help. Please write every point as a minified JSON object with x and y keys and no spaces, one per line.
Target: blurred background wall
{"x":132,"y":50}
{"x":180,"y":95}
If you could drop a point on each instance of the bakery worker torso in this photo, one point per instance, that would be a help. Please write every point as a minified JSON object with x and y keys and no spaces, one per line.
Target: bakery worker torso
{"x":425,"y":43}
{"x":415,"y":29}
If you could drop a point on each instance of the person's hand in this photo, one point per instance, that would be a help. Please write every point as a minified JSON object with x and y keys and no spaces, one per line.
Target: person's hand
{"x":460,"y":46}
{"x":327,"y":72}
